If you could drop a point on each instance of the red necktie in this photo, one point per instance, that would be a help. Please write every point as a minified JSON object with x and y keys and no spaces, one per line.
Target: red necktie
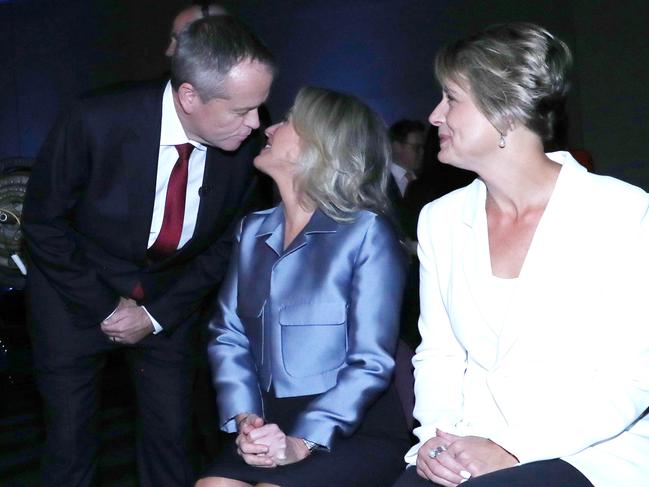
{"x":172,"y":222}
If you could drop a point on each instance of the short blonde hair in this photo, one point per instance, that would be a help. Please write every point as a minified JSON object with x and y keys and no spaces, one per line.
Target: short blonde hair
{"x":516,"y":72}
{"x":344,"y":153}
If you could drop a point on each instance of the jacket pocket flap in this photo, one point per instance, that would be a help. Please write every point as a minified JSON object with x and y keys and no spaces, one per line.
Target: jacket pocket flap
{"x":308,"y":314}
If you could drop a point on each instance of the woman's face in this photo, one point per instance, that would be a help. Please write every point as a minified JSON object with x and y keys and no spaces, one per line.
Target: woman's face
{"x":466,"y":137}
{"x":278,"y":157}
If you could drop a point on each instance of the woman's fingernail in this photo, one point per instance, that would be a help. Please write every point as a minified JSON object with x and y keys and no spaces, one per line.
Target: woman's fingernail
{"x":465,"y":475}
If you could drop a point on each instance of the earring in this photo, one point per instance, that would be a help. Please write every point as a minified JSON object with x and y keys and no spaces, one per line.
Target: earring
{"x":502,"y":143}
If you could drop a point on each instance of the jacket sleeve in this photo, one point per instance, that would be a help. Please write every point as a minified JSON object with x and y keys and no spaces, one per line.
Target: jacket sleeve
{"x":233,"y":368}
{"x":373,"y":328}
{"x":56,"y":183}
{"x":440,"y":360}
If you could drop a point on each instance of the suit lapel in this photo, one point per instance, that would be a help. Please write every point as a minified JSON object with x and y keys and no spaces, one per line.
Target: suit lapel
{"x":213,"y":190}
{"x":140,"y":152}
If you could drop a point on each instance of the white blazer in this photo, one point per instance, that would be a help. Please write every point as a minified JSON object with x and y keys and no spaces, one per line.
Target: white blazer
{"x":568,"y":374}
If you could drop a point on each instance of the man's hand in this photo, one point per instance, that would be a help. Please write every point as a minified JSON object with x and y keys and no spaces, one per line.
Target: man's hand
{"x":128,"y":324}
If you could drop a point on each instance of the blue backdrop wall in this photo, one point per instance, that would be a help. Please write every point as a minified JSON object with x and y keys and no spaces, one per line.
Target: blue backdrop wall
{"x":381,"y":50}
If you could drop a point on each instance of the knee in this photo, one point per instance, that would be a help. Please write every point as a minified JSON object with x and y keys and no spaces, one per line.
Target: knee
{"x":220,"y":482}
{"x":207,"y":482}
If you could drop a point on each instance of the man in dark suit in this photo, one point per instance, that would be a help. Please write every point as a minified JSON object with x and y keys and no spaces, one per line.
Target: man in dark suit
{"x":407,"y":141}
{"x":128,"y":220}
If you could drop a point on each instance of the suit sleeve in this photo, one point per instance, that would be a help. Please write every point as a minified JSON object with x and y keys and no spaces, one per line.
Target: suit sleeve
{"x":56,"y":183}
{"x":233,"y":369}
{"x":440,"y":361}
{"x":373,"y":328}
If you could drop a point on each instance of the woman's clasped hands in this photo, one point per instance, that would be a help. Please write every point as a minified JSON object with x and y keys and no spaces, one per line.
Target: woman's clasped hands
{"x":449,"y":460}
{"x":265,"y":444}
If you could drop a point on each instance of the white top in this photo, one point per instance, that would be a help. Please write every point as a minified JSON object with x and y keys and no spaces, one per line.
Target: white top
{"x":568,"y":376}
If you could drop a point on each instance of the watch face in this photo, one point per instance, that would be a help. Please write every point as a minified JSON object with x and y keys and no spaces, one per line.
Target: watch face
{"x":309,"y":444}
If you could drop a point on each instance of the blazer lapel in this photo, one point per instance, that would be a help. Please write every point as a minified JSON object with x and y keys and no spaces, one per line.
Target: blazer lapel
{"x":212,"y":191}
{"x":141,"y":152}
{"x":273,"y":226}
{"x":544,"y":259}
{"x":477,"y":262}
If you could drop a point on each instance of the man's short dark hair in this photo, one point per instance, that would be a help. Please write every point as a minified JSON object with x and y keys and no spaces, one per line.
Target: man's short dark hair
{"x":400,"y":130}
{"x":209,"y":48}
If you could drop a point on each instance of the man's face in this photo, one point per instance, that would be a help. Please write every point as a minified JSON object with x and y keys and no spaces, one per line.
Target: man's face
{"x":410,"y":153}
{"x":225,"y":122}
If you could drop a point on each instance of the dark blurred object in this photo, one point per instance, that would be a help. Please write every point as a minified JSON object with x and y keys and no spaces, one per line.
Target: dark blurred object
{"x":16,"y":376}
{"x":584,"y":158}
{"x":14,"y":174}
{"x":436,"y":179}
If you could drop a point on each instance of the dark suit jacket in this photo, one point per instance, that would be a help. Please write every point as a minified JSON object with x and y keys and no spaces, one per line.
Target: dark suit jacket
{"x":88,"y":209}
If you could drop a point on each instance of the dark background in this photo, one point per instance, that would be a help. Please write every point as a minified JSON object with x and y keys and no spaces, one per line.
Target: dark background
{"x":381,"y":50}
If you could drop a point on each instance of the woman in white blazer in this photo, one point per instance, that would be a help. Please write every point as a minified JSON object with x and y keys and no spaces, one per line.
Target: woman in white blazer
{"x":534,"y":364}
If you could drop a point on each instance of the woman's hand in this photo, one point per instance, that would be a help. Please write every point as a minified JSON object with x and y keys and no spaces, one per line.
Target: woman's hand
{"x":436,"y":465}
{"x":282,"y":449}
{"x":477,"y":455}
{"x":255,"y":454}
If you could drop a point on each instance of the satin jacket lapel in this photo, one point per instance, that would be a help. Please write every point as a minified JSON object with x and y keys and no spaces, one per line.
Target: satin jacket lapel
{"x":274,"y":224}
{"x":141,"y":153}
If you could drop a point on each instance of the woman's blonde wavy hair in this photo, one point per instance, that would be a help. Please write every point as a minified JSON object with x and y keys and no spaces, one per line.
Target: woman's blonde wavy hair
{"x":343,"y":164}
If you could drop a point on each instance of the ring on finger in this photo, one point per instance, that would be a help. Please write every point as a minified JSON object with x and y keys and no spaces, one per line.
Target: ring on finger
{"x":436,"y":451}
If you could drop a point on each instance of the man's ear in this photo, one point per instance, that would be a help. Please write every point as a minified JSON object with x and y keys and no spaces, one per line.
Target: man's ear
{"x":188,"y":97}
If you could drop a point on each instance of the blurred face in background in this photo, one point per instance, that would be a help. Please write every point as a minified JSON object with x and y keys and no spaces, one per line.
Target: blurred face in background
{"x":410,"y":153}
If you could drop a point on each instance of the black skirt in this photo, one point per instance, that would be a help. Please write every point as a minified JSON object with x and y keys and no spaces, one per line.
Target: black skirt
{"x":371,"y":457}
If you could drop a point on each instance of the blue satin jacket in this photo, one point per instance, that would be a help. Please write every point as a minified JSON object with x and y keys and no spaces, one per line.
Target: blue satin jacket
{"x":320,"y":317}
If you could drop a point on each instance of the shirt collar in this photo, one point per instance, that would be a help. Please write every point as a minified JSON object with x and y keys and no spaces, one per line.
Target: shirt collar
{"x":397,"y":171}
{"x":171,"y":130}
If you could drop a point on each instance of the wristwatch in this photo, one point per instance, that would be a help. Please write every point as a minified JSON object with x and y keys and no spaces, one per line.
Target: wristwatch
{"x":309,"y":444}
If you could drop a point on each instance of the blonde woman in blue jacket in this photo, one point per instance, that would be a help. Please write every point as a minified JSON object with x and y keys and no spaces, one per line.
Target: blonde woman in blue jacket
{"x":534,"y":364}
{"x":302,"y":345}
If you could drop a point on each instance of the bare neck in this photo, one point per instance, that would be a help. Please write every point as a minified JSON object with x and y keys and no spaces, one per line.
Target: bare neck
{"x":296,"y":215}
